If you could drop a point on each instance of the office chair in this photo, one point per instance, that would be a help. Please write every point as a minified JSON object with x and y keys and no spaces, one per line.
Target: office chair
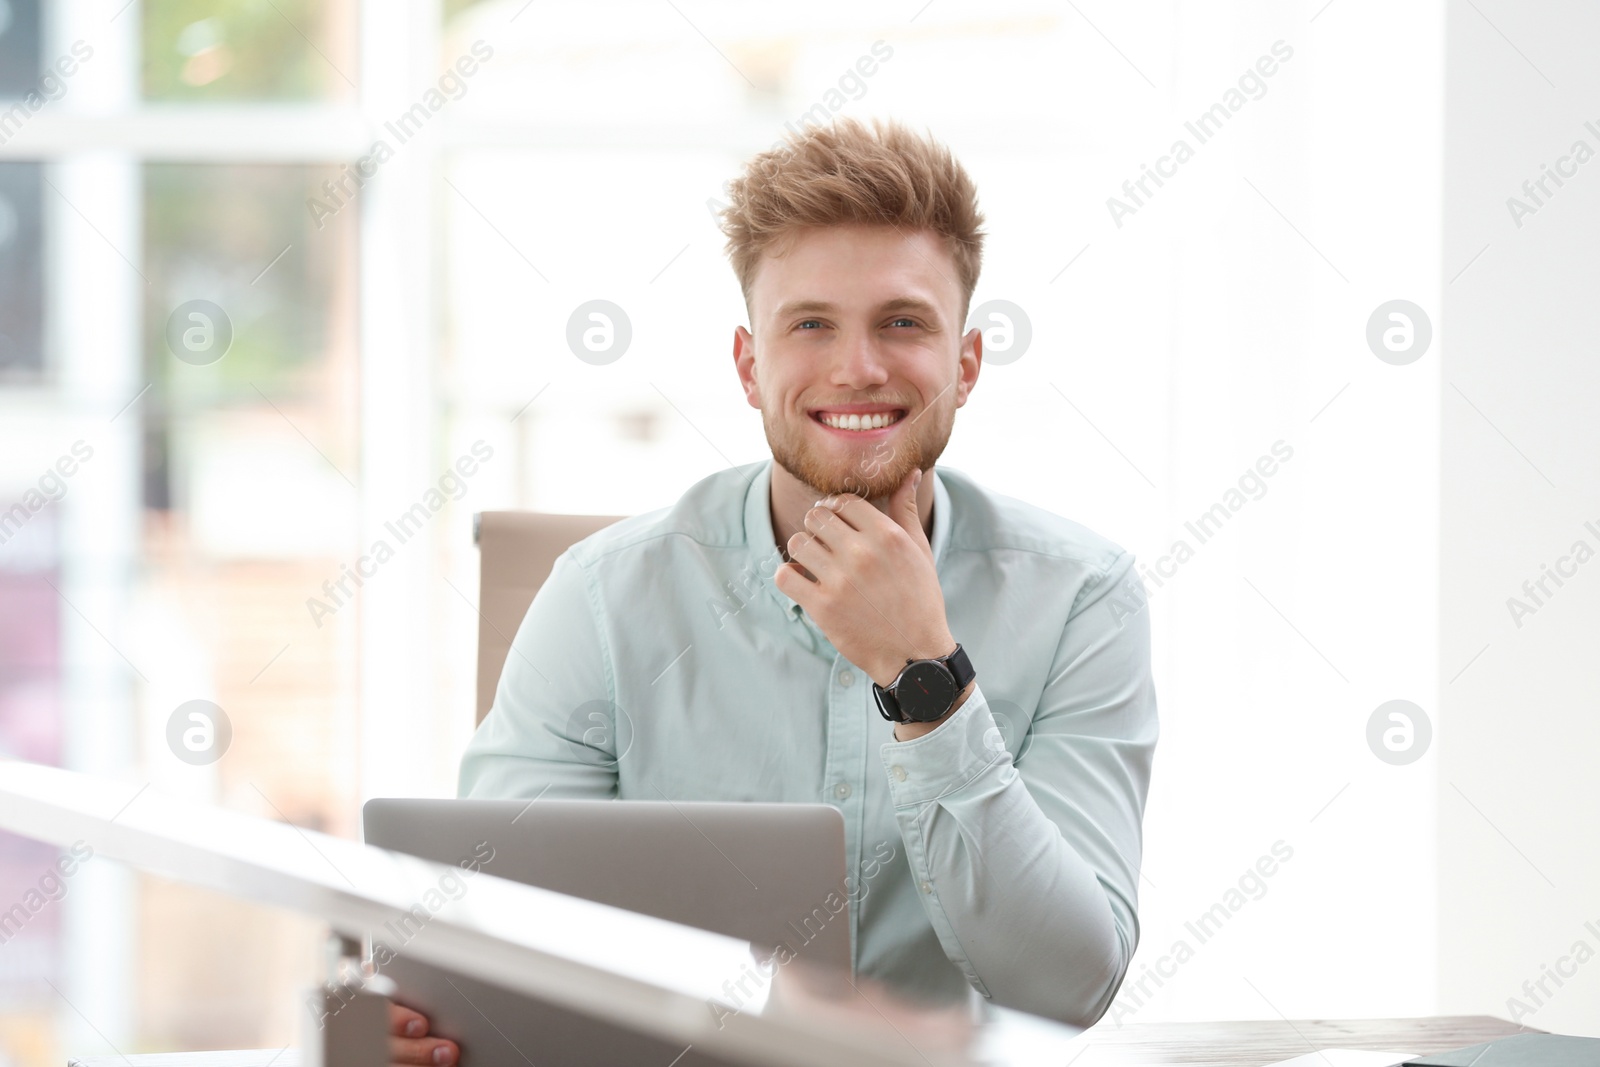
{"x":516,"y":551}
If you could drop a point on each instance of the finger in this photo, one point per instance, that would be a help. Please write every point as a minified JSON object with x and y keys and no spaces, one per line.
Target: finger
{"x":825,"y":525}
{"x":848,"y":509}
{"x":796,"y":583}
{"x":805,"y":548}
{"x":404,"y":1022}
{"x":428,"y":1051}
{"x":903,"y":507}
{"x":798,"y":580}
{"x":855,"y":512}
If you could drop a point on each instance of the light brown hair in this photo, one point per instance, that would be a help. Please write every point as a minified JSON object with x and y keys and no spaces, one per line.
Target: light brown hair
{"x":847,"y":174}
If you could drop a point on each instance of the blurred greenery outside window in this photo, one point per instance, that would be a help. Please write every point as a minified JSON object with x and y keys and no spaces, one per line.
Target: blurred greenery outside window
{"x":452,"y":8}
{"x":242,"y":50}
{"x":241,"y":237}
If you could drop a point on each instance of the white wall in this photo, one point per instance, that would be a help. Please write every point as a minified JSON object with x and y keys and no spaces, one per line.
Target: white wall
{"x":1519,"y":800}
{"x":1216,"y":321}
{"x":1315,"y":603}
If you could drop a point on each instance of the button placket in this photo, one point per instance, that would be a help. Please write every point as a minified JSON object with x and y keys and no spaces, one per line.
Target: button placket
{"x":845,"y":767}
{"x":843,"y":727}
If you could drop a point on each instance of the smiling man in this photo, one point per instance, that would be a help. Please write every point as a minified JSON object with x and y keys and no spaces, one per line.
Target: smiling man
{"x":850,"y":624}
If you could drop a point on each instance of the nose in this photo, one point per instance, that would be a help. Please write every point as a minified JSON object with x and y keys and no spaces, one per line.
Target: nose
{"x":859,"y":364}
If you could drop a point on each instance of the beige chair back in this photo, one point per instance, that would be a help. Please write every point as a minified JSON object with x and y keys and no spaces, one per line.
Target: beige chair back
{"x":516,"y":550}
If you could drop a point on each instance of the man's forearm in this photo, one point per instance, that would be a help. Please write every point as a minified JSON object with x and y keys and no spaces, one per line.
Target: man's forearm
{"x":1031,"y":893}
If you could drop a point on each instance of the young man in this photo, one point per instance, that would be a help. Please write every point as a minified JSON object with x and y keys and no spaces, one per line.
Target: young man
{"x":847,"y":624}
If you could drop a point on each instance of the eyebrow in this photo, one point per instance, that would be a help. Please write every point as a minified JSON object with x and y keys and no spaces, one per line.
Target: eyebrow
{"x":902,"y":303}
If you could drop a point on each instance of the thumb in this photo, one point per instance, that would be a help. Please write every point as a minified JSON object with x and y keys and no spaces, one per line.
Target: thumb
{"x":903,"y":507}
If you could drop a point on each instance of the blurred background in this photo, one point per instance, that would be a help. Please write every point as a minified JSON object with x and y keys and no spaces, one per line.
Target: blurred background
{"x":269,"y":268}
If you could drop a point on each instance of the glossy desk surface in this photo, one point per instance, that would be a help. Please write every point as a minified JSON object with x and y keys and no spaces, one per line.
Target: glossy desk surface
{"x":1252,"y":1044}
{"x":1220,"y":1044}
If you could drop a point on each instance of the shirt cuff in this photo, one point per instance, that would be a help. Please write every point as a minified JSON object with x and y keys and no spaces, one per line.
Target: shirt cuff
{"x":947,"y":757}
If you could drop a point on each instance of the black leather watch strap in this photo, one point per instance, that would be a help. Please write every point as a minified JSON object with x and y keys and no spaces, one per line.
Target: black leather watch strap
{"x":960,"y":666}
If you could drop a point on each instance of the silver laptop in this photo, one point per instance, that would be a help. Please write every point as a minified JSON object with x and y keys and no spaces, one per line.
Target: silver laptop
{"x":760,"y":872}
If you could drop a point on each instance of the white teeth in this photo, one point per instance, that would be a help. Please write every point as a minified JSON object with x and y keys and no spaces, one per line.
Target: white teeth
{"x":861,"y":422}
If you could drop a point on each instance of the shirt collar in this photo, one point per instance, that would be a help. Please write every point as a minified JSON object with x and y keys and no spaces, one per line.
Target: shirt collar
{"x":764,"y":556}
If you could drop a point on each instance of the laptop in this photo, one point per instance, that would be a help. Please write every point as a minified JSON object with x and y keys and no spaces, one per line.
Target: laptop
{"x":760,"y":872}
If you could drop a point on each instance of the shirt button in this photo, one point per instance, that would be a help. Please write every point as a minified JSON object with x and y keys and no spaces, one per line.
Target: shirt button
{"x":842,"y":790}
{"x":847,"y":679}
{"x":927,"y":887}
{"x":898,"y":773}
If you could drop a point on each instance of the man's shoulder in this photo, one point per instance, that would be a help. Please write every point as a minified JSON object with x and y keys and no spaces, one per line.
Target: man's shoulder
{"x":982,"y":520}
{"x":709,"y":515}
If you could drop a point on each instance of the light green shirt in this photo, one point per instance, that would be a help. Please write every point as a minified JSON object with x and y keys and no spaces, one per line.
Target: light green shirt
{"x":1001,"y":850}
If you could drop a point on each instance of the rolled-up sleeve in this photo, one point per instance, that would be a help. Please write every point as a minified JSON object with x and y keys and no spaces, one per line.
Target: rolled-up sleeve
{"x":1028,"y":868}
{"x":553,"y":729}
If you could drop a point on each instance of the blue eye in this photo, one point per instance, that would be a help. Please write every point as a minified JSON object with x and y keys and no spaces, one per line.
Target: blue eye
{"x":908,"y":322}
{"x":810,"y":322}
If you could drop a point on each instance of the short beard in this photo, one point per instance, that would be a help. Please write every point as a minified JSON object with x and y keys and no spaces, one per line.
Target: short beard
{"x":876,"y":476}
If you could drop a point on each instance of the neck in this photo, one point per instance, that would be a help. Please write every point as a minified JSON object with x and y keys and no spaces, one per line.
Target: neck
{"x":792,"y":498}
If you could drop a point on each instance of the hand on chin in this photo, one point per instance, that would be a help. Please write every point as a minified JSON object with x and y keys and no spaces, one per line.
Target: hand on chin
{"x":866,"y":576}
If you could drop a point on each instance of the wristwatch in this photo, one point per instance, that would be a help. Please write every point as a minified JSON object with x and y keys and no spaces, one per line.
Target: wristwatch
{"x":925,"y":689}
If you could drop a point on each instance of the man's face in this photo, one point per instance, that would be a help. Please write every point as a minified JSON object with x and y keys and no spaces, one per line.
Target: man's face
{"x":856,"y":326}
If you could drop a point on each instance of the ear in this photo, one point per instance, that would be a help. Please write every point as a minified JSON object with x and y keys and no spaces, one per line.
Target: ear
{"x":968,"y":363}
{"x":744,"y":361}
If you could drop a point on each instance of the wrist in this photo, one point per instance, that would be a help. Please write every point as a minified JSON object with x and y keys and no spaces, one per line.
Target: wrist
{"x":885,"y":673}
{"x":910,"y":731}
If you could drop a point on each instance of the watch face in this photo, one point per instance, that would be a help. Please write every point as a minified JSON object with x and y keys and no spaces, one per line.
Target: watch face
{"x":926,"y":691}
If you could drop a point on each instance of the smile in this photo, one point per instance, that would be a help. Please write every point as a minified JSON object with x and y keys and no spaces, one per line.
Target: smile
{"x":859,"y":423}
